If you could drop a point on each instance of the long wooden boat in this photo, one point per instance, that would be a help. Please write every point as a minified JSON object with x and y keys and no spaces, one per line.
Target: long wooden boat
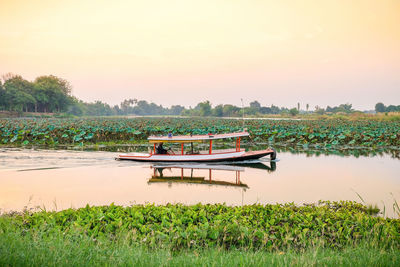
{"x":235,"y":154}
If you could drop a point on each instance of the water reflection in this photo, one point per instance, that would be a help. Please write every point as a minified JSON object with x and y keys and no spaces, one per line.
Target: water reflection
{"x":191,"y":178}
{"x":187,"y":173}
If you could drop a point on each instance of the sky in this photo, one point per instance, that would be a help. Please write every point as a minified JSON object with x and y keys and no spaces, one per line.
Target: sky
{"x":315,"y":52}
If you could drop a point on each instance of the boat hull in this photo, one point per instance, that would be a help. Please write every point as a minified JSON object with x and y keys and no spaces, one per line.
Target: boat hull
{"x":217,"y":157}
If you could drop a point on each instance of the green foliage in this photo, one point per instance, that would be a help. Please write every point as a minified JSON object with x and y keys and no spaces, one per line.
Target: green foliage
{"x":380,"y":107}
{"x":294,"y":111}
{"x":2,"y":96}
{"x":204,"y":108}
{"x":17,"y":94}
{"x":56,"y":92}
{"x":218,"y":111}
{"x":345,"y":108}
{"x":315,"y":133}
{"x":45,"y":94}
{"x":266,"y":227}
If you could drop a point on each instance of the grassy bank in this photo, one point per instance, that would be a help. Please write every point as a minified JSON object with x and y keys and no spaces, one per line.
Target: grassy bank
{"x":40,"y":249}
{"x":325,"y":233}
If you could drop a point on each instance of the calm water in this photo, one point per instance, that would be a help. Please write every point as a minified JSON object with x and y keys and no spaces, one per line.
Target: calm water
{"x":59,"y":179}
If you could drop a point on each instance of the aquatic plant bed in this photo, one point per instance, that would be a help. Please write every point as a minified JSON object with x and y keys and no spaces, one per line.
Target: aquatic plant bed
{"x":267,"y":227}
{"x":313,"y":133}
{"x":324,"y":233}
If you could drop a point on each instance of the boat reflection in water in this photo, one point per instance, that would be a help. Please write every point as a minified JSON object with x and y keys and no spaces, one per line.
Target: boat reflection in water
{"x":184,"y":173}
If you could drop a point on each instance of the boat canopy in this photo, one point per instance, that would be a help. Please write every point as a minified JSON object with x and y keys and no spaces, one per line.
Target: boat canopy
{"x":194,"y":138}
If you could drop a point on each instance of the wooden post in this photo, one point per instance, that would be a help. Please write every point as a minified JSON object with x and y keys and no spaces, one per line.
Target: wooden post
{"x":209,"y":175}
{"x":182,"y":148}
{"x":181,"y":173}
{"x":210,"y":146}
{"x":154,"y":148}
{"x":239,"y":144}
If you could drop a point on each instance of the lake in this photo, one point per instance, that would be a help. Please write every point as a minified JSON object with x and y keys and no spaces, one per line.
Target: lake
{"x":60,"y":179}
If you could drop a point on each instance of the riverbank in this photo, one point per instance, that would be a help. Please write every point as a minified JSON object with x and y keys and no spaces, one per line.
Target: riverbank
{"x":327,"y":233}
{"x":34,"y":250}
{"x":346,"y":232}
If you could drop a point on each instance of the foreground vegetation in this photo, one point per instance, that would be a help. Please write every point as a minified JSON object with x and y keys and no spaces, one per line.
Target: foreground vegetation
{"x":201,"y":234}
{"x":304,"y":133}
{"x":39,"y":249}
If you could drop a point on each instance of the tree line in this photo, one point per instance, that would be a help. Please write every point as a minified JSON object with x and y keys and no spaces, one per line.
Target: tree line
{"x":44,"y":94}
{"x":380,"y":107}
{"x":51,"y":94}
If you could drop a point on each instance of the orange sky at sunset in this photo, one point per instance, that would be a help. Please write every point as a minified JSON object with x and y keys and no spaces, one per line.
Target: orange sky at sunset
{"x":183,"y":52}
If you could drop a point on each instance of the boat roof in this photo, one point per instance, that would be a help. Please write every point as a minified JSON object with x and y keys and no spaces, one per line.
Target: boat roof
{"x":194,"y":138}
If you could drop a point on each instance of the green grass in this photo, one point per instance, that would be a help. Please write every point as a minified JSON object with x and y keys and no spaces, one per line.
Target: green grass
{"x":57,"y":249}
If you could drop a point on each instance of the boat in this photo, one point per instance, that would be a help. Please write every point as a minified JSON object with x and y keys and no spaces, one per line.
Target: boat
{"x":210,"y":155}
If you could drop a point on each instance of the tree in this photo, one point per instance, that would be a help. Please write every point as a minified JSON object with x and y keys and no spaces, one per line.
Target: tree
{"x":127,"y":105}
{"x":218,"y":111}
{"x":380,"y":107}
{"x":294,"y":111}
{"x":117,"y":110}
{"x":8,"y":76}
{"x":77,"y":107}
{"x":2,"y":95}
{"x":265,"y":110}
{"x":230,"y":110}
{"x":392,"y":108}
{"x":307,"y":106}
{"x":18,"y":94}
{"x":18,"y":100}
{"x":57,"y":91}
{"x":345,"y":108}
{"x":255,"y":104}
{"x":176,"y":110}
{"x":205,"y":108}
{"x":298,"y":106}
{"x":42,"y":98}
{"x":99,"y":108}
{"x":275,"y":109}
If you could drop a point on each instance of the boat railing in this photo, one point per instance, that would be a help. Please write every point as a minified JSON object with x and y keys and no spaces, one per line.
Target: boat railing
{"x":173,"y":151}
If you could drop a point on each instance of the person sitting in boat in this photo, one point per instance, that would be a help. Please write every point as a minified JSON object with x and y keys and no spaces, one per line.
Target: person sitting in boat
{"x":161,"y":150}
